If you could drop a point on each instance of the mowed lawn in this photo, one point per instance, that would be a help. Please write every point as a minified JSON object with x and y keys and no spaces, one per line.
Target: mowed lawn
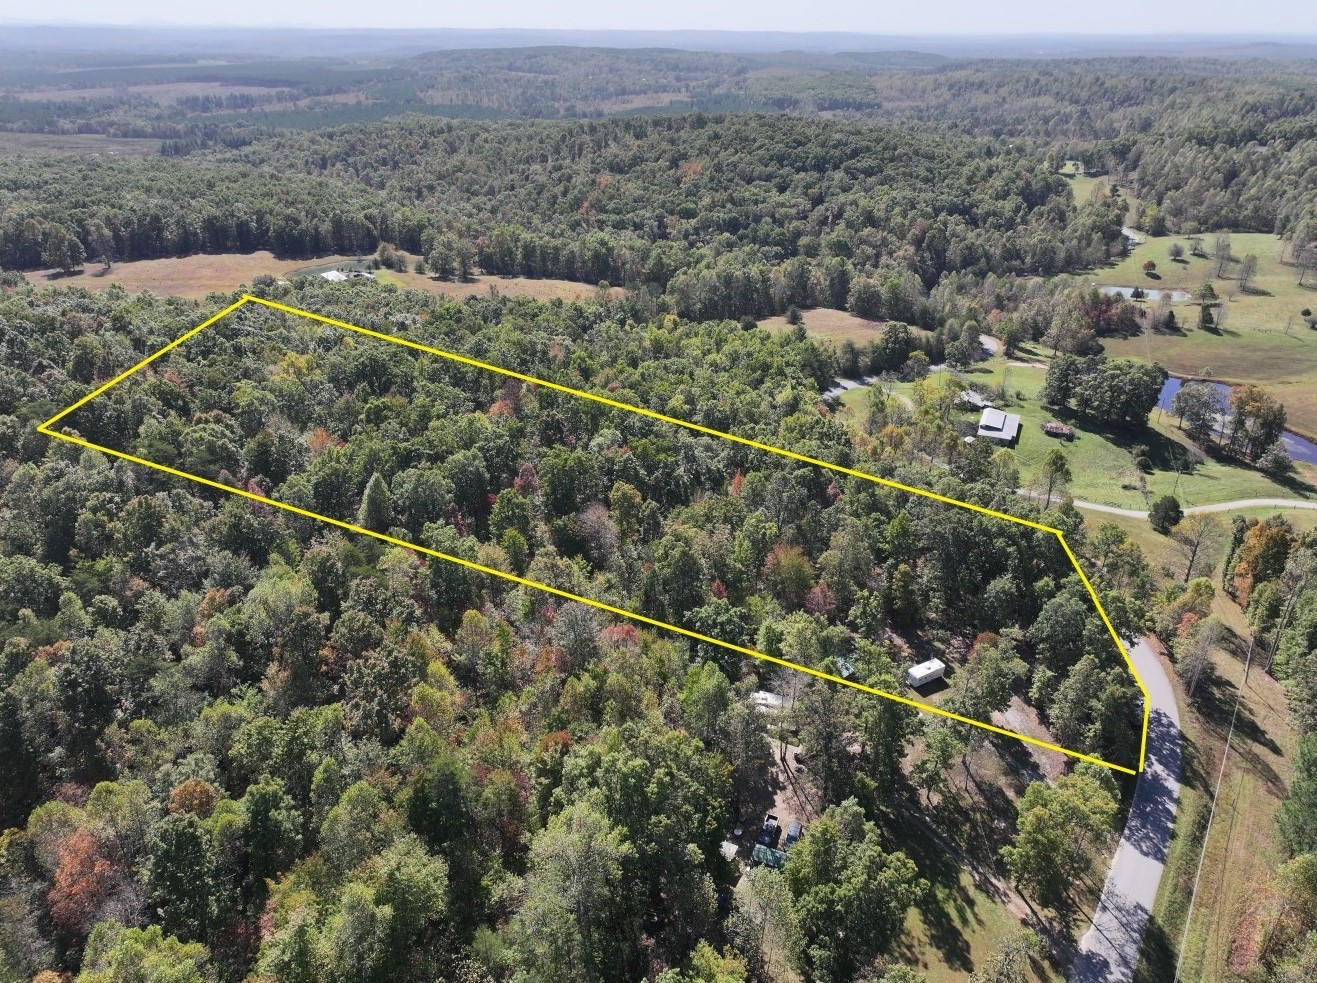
{"x":1264,"y":339}
{"x":1242,"y":849}
{"x":1102,"y":463}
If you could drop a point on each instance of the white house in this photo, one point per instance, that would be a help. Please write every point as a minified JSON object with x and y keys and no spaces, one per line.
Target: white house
{"x":995,"y":424}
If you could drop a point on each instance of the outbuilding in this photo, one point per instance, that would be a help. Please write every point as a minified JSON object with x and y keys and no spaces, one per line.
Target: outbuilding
{"x":997,"y":425}
{"x":925,"y":672}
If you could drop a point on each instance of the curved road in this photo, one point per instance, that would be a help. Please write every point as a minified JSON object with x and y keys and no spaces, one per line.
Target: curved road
{"x":1109,"y":950}
{"x":1242,"y":503}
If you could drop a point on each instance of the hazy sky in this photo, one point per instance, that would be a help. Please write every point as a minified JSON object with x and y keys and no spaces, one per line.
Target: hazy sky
{"x":876,"y":16}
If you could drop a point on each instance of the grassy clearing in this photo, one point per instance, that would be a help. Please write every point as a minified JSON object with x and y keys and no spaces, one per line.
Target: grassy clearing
{"x":1263,"y":339}
{"x":1241,"y":849}
{"x":186,"y":276}
{"x":515,"y":286}
{"x":1103,"y":463}
{"x":1081,"y":185}
{"x":197,"y":276}
{"x":825,"y":324}
{"x":972,"y":907}
{"x":39,"y":144}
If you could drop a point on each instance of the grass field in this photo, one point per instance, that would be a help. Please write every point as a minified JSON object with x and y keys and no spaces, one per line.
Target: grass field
{"x":196,"y":276}
{"x":516,"y":286}
{"x":1102,"y":463}
{"x":826,"y":324}
{"x":37,"y":144}
{"x":1263,"y":339}
{"x":186,"y":276}
{"x":1241,"y":847}
{"x":1081,"y":186}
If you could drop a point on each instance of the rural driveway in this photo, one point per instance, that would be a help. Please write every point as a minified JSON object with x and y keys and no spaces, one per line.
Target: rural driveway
{"x":1109,"y":950}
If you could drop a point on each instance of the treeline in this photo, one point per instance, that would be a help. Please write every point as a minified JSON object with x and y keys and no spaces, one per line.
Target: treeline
{"x":727,"y":216}
{"x":1270,"y":569}
{"x":240,"y":743}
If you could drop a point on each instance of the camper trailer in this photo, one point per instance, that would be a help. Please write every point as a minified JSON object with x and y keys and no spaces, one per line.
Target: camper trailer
{"x":925,"y":672}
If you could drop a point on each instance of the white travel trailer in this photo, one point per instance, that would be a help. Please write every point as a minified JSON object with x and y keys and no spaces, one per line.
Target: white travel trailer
{"x":925,"y":672}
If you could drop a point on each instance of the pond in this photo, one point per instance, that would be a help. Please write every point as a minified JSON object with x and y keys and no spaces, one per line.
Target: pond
{"x":1298,"y":448}
{"x":1150,"y":293}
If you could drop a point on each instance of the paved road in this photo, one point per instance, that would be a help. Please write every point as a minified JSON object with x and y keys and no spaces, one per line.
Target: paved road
{"x":1109,"y":950}
{"x":1242,"y":503}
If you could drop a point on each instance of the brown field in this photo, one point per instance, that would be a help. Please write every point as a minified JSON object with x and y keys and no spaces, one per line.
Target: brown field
{"x":186,"y":276}
{"x":196,"y":276}
{"x":481,"y":285}
{"x":164,"y":92}
{"x":829,"y":325}
{"x":37,"y":144}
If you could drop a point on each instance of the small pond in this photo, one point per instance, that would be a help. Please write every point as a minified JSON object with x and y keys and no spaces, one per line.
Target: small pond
{"x":1299,"y":448}
{"x":1149,"y":293}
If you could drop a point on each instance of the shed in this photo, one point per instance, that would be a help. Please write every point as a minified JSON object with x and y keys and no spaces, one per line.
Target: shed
{"x":767,"y":702}
{"x":925,"y":672}
{"x":974,"y":399}
{"x":994,"y":424}
{"x":769,"y":857}
{"x":1054,"y":429}
{"x":728,"y":850}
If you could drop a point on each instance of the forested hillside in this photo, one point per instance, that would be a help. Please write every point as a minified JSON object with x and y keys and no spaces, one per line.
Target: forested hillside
{"x":299,"y":737}
{"x":238,"y":745}
{"x":730,"y":215}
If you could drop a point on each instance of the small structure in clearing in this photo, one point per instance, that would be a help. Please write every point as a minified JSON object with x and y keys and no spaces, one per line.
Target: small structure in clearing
{"x":998,"y":425}
{"x":925,"y":672}
{"x":339,"y":275}
{"x":1058,"y":430}
{"x":975,"y":400}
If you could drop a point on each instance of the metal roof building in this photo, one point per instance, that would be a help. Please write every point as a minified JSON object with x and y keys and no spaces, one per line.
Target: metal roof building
{"x":998,"y":425}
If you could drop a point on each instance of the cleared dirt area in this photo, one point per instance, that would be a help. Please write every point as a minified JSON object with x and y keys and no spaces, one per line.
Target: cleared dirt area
{"x":196,"y":276}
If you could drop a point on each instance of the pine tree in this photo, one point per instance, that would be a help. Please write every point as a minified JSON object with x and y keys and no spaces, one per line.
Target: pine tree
{"x":376,"y":513}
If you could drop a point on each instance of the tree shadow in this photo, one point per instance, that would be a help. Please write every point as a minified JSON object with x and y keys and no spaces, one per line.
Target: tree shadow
{"x":1152,"y":274}
{"x":949,"y":908}
{"x":1152,"y":814}
{"x":1215,"y":701}
{"x":1157,"y":957}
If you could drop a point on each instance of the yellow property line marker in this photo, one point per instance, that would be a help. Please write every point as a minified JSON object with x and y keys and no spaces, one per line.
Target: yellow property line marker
{"x":46,"y":428}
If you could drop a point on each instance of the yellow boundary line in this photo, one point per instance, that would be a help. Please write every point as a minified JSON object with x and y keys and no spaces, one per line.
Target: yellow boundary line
{"x":46,"y":428}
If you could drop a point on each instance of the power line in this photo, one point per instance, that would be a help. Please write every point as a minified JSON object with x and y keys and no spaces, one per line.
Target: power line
{"x":1207,"y":834}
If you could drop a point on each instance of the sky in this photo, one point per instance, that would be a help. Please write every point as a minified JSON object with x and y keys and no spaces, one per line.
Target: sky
{"x":939,"y":17}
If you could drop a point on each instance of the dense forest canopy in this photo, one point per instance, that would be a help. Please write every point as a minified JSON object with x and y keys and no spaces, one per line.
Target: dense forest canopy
{"x":282,"y":709}
{"x":240,"y":746}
